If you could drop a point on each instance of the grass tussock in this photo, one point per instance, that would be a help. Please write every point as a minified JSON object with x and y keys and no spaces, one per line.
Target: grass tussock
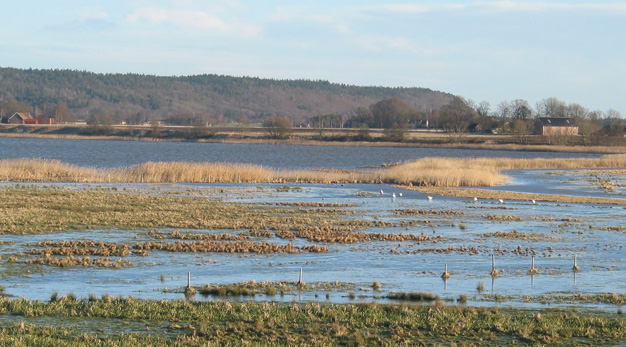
{"x":41,"y":210}
{"x":418,"y":296}
{"x":223,"y":323}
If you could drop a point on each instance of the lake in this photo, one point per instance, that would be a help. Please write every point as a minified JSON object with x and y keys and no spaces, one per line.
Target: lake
{"x":113,"y":153}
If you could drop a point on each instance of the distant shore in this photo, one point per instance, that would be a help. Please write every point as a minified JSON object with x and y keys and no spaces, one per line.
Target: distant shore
{"x":418,"y":138}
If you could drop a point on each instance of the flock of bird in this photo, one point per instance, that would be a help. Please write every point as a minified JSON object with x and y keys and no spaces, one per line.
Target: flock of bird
{"x":430,"y":198}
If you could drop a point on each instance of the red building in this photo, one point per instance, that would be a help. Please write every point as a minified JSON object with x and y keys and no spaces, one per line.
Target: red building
{"x":26,"y":118}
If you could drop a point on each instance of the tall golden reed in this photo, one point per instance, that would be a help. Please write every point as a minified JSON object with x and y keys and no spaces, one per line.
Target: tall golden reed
{"x":194,"y":172}
{"x":440,"y":172}
{"x":45,"y":170}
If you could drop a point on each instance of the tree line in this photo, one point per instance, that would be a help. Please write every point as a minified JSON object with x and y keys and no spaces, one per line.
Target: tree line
{"x":189,"y":100}
{"x":208,"y":100}
{"x":460,"y":116}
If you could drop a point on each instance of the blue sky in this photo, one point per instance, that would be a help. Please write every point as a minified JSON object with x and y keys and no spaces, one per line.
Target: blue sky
{"x":481,"y":50}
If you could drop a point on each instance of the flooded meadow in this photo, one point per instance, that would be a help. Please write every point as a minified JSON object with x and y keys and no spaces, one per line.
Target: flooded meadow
{"x":349,"y":243}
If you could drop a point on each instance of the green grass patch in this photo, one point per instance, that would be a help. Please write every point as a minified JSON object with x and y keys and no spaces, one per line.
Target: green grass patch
{"x":127,"y":321}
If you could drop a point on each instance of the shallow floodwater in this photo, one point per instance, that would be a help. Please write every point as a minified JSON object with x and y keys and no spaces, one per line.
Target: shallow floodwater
{"x":556,"y":233}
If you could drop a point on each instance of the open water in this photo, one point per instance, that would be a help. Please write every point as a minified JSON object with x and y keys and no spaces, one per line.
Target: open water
{"x":556,"y":232}
{"x":107,"y":153}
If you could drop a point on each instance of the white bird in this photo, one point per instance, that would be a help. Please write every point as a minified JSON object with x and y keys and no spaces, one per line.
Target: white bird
{"x":381,"y":192}
{"x":501,"y":201}
{"x":400,"y":194}
{"x":430,"y":198}
{"x":475,"y":199}
{"x":393,"y":196}
{"x":533,"y":200}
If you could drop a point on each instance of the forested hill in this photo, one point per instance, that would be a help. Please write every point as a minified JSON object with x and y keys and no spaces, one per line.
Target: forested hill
{"x":124,"y":96}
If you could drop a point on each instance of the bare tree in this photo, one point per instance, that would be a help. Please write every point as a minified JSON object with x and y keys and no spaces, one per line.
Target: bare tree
{"x":577,"y":111}
{"x":278,"y":127}
{"x":504,"y":110}
{"x":521,"y":130}
{"x":521,"y":109}
{"x":483,"y":108}
{"x":552,"y":107}
{"x":62,"y":113}
{"x":456,"y":115}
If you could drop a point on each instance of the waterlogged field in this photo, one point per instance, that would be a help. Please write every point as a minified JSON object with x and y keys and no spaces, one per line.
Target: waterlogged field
{"x":353,"y":243}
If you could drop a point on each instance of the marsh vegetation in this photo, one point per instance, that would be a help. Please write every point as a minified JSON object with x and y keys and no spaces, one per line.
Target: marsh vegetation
{"x":435,"y":172}
{"x":111,"y":321}
{"x":249,"y":241}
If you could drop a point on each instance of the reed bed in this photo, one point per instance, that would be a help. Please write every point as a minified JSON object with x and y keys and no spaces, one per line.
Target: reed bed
{"x":439,"y":172}
{"x":192,"y":172}
{"x":484,"y":172}
{"x":45,"y":170}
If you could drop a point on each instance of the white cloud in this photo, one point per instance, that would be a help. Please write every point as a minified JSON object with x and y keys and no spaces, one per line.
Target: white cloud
{"x":503,"y":6}
{"x":550,"y":6}
{"x":91,"y":14}
{"x":403,"y":8}
{"x":201,"y":20}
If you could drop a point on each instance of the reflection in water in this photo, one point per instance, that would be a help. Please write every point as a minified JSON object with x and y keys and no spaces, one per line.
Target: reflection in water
{"x":554,"y":232}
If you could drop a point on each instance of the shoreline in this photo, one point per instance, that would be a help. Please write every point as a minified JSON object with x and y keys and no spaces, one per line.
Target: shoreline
{"x":301,"y":137}
{"x":485,"y":194}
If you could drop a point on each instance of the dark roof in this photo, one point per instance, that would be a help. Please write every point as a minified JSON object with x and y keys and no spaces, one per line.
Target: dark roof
{"x":22,"y":115}
{"x":556,"y":122}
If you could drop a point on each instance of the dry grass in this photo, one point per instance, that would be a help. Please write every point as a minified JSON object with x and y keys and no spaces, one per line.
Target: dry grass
{"x":43,"y":170}
{"x":438,"y":172}
{"x":484,"y":172}
{"x":192,"y":172}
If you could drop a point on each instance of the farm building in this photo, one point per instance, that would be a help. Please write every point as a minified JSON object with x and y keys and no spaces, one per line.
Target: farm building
{"x":26,"y":118}
{"x":554,"y":126}
{"x":19,"y":118}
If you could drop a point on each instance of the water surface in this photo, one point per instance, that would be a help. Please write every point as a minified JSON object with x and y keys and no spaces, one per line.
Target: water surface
{"x":115,"y":153}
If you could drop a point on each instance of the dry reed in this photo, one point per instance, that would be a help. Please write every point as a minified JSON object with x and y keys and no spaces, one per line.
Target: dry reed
{"x":438,"y":172}
{"x":192,"y":172}
{"x":44,"y":170}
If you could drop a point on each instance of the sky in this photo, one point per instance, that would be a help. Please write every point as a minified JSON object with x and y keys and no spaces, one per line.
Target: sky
{"x":490,"y":51}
